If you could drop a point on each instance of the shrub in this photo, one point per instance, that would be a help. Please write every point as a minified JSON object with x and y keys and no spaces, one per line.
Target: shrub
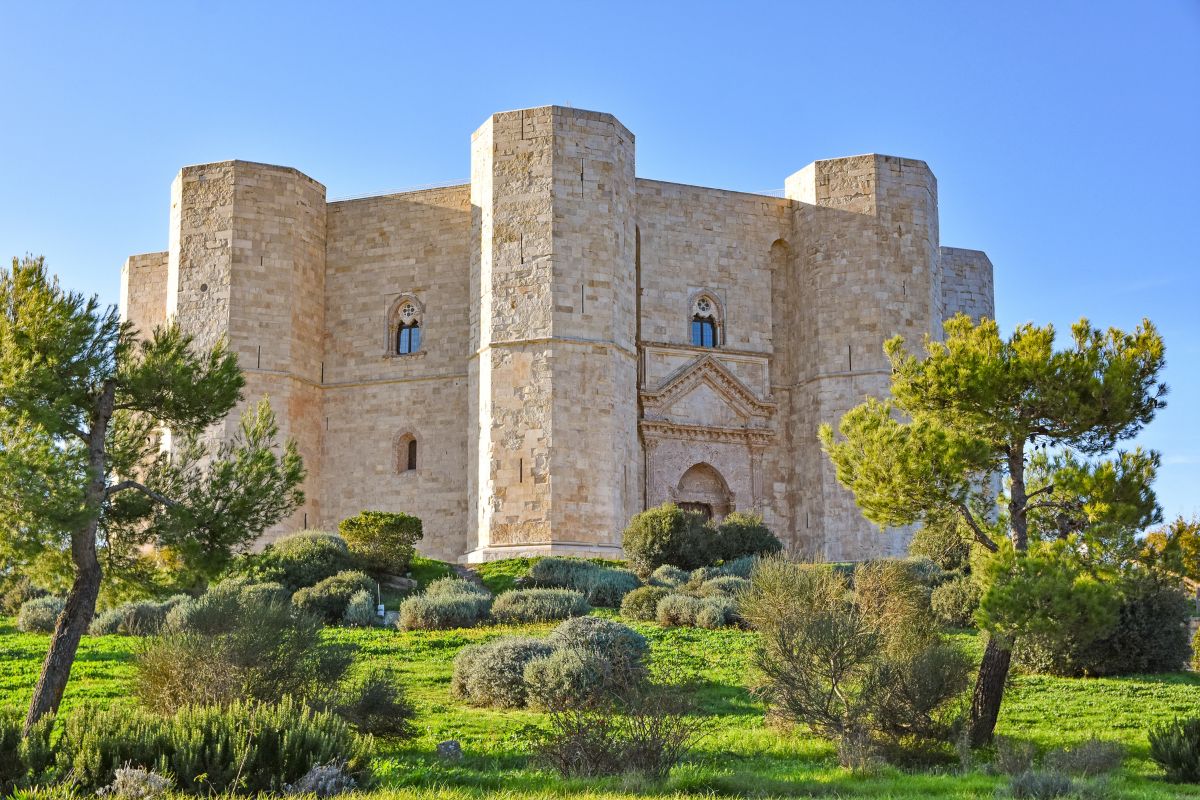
{"x":723,"y":586}
{"x":1040,"y":786}
{"x":954,"y":602}
{"x":622,"y":646}
{"x":642,"y":604}
{"x":1089,"y":758}
{"x":539,"y":605}
{"x":253,"y":652}
{"x":426,"y":613}
{"x":360,"y":610}
{"x":299,"y":560}
{"x":607,"y":587}
{"x":137,"y":618}
{"x":739,"y":567}
{"x":945,"y":540}
{"x":1175,"y":746}
{"x":645,"y":732}
{"x":1149,"y":636}
{"x":716,"y":612}
{"x":247,"y":748}
{"x":568,"y":677}
{"x":1013,"y":756}
{"x":557,"y":572}
{"x":382,"y":542}
{"x":857,"y":664}
{"x":15,"y":591}
{"x":667,"y":535}
{"x":1196,"y":651}
{"x":700,"y":575}
{"x":741,"y":534}
{"x":493,"y":673}
{"x":40,"y":614}
{"x":669,"y":576}
{"x":374,"y":703}
{"x":323,"y":780}
{"x":135,"y":783}
{"x":328,"y":599}
{"x":446,"y":603}
{"x":23,"y":760}
{"x":678,"y":609}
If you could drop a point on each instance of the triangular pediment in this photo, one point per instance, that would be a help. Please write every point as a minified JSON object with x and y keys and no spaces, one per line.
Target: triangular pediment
{"x":705,"y":392}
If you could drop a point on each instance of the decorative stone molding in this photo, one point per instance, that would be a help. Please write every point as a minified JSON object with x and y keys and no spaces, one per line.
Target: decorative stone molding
{"x":405,"y":309}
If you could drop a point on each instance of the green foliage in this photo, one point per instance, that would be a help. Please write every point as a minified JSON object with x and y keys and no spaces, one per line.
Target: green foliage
{"x":505,"y":573}
{"x":299,"y":560}
{"x":247,"y":747}
{"x":678,"y":609}
{"x":493,"y":674}
{"x":723,"y":586}
{"x":221,"y":650}
{"x":23,"y":759}
{"x":384,"y":543}
{"x":602,"y":585}
{"x":40,"y":614}
{"x":329,"y":598}
{"x":539,"y":605}
{"x":446,"y":603}
{"x":955,"y":601}
{"x":138,"y":618}
{"x":1175,"y":548}
{"x":854,"y":664}
{"x":360,"y":610}
{"x":1044,"y":592}
{"x":1149,"y":635}
{"x":568,"y":677}
{"x":1175,"y":747}
{"x":642,"y":604}
{"x":1089,"y":758}
{"x":1040,"y":786}
{"x":741,"y":534}
{"x":945,"y":539}
{"x":15,"y":590}
{"x":427,"y":570}
{"x":667,"y":535}
{"x":374,"y":703}
{"x":618,"y":644}
{"x":669,"y":576}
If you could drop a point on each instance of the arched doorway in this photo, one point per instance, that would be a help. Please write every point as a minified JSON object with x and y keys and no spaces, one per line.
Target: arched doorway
{"x":702,"y":490}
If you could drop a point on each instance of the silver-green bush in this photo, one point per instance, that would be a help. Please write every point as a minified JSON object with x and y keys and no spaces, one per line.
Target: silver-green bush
{"x":669,"y":576}
{"x":642,"y":603}
{"x":137,"y":618}
{"x":442,"y":612}
{"x":619,"y":644}
{"x":723,"y":586}
{"x":493,"y":673}
{"x":678,"y":609}
{"x":539,"y":605}
{"x":360,"y":611}
{"x":40,"y":614}
{"x":954,"y":602}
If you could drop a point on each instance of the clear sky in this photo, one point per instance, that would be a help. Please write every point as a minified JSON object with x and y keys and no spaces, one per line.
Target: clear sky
{"x":1064,"y":135}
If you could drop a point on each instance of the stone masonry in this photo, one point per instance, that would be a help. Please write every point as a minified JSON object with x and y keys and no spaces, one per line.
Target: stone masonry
{"x":560,"y":384}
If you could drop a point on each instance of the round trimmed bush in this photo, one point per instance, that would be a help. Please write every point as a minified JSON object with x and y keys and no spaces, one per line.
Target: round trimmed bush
{"x":667,"y":535}
{"x":568,"y":678}
{"x":558,"y":572}
{"x":442,"y":612}
{"x":618,"y":644}
{"x":40,"y":615}
{"x":678,"y":609}
{"x":700,"y":575}
{"x":715,"y":612}
{"x":301,"y":559}
{"x":741,"y":534}
{"x":137,"y":618}
{"x":456,"y":587}
{"x":723,"y":586}
{"x":608,"y":587}
{"x":493,"y":673}
{"x":539,"y":605}
{"x":669,"y":576}
{"x":740,"y":567}
{"x":955,"y":601}
{"x":383,"y":542}
{"x":360,"y":610}
{"x":642,"y":604}
{"x":328,"y":599}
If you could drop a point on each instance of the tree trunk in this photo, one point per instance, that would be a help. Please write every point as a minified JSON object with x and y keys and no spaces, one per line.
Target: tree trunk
{"x":81,"y":601}
{"x":989,"y":691}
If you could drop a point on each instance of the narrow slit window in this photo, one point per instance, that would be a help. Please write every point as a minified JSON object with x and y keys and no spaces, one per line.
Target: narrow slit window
{"x":412,"y":454}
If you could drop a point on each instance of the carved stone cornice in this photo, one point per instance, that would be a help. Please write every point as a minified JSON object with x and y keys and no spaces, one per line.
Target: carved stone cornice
{"x":660,"y":429}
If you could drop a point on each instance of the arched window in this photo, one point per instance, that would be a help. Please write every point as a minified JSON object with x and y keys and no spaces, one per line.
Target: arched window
{"x":406,"y":453}
{"x":706,"y":321}
{"x":404,"y":326}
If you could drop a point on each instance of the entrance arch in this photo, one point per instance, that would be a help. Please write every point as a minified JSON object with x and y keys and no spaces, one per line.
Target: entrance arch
{"x":702,"y":489}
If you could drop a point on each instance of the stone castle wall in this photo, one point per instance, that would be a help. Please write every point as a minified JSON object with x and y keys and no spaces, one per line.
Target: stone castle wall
{"x":557,"y":391}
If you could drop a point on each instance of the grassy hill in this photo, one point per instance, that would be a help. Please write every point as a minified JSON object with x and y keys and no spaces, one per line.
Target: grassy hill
{"x":739,"y":756}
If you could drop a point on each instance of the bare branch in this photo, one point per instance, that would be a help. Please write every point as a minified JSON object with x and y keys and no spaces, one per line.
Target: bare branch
{"x":980,"y":536}
{"x":1047,"y":488}
{"x":146,"y":490}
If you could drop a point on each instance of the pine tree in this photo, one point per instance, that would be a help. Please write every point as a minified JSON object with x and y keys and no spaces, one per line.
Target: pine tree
{"x":980,"y":407}
{"x":83,"y":406}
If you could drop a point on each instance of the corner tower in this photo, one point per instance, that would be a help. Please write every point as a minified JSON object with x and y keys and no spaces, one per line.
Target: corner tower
{"x":553,"y":378}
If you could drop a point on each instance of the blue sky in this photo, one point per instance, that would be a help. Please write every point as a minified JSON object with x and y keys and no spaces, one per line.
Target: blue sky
{"x":1064,"y":135}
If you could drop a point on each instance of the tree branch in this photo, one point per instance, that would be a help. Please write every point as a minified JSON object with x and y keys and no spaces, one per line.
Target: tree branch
{"x":146,"y":490}
{"x":1065,"y":506}
{"x":980,"y":536}
{"x":1047,"y":488}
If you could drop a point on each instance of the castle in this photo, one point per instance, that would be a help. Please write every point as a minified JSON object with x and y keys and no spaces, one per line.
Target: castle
{"x":528,"y":360}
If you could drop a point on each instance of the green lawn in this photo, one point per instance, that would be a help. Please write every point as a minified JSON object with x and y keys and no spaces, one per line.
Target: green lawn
{"x":740,"y":756}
